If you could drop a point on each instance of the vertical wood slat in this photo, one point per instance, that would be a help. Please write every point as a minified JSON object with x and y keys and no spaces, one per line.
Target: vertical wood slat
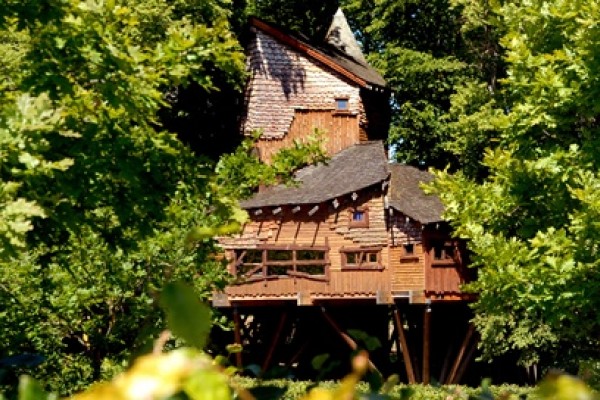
{"x":341,"y":131}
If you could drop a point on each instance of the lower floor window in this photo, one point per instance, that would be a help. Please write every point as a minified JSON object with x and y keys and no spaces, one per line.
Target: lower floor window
{"x":281,"y":261}
{"x":361,"y":258}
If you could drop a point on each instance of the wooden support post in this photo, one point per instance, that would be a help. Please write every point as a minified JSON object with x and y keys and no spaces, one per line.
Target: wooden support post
{"x":349,"y":341}
{"x":465,"y":363}
{"x":237,"y":335}
{"x":460,"y":355}
{"x":404,"y":346}
{"x":426,"y":343}
{"x":446,"y":364}
{"x":274,"y":342}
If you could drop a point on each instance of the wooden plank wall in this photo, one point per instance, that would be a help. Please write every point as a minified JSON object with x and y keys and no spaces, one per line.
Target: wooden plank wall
{"x":407,"y":273}
{"x":328,"y":226}
{"x":443,"y":278}
{"x":341,"y":131}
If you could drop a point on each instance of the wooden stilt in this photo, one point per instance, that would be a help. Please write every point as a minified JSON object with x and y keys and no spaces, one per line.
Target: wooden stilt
{"x":426,"y":343}
{"x":349,"y":341}
{"x":296,"y":356}
{"x":461,"y":353}
{"x":446,"y":364}
{"x":237,"y":335}
{"x":274,"y":342}
{"x":404,"y":347}
{"x":465,"y":363}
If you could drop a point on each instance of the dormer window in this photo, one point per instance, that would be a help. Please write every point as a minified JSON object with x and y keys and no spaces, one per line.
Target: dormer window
{"x":342,"y":104}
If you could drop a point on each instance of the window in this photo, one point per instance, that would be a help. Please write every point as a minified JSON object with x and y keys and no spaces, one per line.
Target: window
{"x":342,"y":104}
{"x":359,"y":217}
{"x":366,"y":258}
{"x":272,"y":262}
{"x":442,"y":251}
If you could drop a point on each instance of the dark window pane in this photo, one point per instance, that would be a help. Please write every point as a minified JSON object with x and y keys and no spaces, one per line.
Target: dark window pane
{"x":311,"y":269}
{"x":279,"y":255}
{"x":310,"y":255}
{"x":253,"y":256}
{"x":277,"y":270}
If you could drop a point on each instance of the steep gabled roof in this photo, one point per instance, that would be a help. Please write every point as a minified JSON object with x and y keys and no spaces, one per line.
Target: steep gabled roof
{"x":406,"y":195}
{"x":354,"y":70}
{"x":340,"y":36}
{"x":350,"y":170}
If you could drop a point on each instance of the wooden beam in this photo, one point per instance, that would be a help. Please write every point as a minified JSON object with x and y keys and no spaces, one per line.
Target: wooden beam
{"x":258,"y":212}
{"x":276,"y":210}
{"x":461,"y":353}
{"x":276,"y":336}
{"x":295,"y":209}
{"x":426,"y":343}
{"x":313,"y":210}
{"x":446,"y":364}
{"x":466,"y":361}
{"x":410,"y":374}
{"x":345,"y":337}
{"x":237,"y":336}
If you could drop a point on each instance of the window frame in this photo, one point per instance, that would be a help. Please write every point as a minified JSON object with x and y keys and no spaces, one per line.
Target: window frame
{"x":342,"y":100}
{"x":361,"y":252}
{"x":440,"y":246}
{"x":261,"y":271}
{"x":358,"y":224}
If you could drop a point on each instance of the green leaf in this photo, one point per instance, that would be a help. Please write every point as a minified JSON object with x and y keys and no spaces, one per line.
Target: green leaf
{"x":30,"y":389}
{"x":187,"y":317}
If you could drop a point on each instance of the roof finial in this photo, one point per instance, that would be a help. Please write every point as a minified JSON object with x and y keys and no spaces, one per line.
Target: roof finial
{"x":340,"y":35}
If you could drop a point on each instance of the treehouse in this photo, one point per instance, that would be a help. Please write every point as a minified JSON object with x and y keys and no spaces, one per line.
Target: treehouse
{"x":356,"y":240}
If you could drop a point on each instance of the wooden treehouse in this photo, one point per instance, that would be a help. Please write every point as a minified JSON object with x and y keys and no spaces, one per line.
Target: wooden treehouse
{"x":356,"y":244}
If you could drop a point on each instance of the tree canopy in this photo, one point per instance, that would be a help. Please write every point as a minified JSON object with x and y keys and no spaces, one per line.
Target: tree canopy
{"x":532,"y":223}
{"x":93,"y":186}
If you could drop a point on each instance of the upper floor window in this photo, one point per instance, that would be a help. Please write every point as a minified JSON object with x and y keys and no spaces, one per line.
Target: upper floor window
{"x":342,"y":104}
{"x":359,"y":217}
{"x":442,"y":251}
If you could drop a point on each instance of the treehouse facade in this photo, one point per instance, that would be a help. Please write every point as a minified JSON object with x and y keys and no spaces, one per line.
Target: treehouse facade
{"x":356,"y":239}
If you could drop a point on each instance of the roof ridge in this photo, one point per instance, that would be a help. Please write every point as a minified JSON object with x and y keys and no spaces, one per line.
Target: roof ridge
{"x":361,"y":74}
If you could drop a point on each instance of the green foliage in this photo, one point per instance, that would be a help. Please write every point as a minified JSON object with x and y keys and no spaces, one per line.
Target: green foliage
{"x":531,"y":223}
{"x":239,"y":174}
{"x":311,"y":18}
{"x":91,"y":186}
{"x":420,"y":48}
{"x":297,"y":389}
{"x":186,"y":316}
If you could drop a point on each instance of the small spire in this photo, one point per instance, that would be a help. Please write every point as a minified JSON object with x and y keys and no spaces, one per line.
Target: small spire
{"x":340,"y":35}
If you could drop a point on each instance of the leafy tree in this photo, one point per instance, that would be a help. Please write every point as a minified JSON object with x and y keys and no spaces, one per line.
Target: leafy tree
{"x":532,"y":223}
{"x":311,"y":18}
{"x":92,"y":184}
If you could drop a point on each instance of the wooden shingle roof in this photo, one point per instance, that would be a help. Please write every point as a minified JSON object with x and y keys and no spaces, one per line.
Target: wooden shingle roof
{"x":406,"y":195}
{"x":350,"y":170}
